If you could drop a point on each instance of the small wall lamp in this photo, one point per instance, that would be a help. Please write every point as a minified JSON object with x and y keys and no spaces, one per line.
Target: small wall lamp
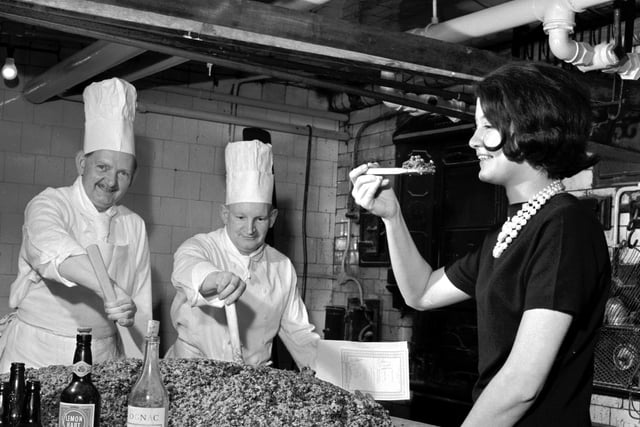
{"x":9,"y":69}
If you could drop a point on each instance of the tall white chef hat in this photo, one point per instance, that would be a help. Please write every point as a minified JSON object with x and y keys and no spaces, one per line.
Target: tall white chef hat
{"x":109,"y":111}
{"x":249,"y":166}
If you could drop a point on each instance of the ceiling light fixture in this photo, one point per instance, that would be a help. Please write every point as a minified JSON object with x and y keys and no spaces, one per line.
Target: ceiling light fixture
{"x":9,"y":69}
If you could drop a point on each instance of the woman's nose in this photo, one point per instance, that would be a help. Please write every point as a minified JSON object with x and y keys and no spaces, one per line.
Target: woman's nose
{"x":475,"y":140}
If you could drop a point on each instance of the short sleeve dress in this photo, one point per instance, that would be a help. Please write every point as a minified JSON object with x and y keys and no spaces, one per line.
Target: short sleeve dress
{"x":559,"y":261}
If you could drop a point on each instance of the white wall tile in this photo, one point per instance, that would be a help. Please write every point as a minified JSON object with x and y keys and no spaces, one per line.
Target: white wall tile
{"x":184,"y":130}
{"x":20,"y":168}
{"x":65,"y":141}
{"x":11,"y":136}
{"x":175,"y":155}
{"x":11,"y":228}
{"x":201,"y":158}
{"x":49,"y":171}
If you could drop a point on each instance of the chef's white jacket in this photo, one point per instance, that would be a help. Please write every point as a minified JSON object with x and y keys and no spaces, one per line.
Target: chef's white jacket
{"x":60,"y":223}
{"x":270,"y":305}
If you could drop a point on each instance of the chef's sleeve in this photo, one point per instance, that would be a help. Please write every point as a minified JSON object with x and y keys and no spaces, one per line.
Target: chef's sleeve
{"x":296,"y":332}
{"x":46,"y":238}
{"x":191,"y":265}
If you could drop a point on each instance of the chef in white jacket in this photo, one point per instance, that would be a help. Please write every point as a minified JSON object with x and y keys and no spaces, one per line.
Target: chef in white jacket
{"x":234,"y":264}
{"x":56,"y":290}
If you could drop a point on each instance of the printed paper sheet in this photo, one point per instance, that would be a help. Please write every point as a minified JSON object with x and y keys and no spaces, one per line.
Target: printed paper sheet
{"x":380,"y":369}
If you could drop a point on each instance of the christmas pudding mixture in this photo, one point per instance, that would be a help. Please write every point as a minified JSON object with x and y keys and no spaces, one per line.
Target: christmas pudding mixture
{"x":206,"y":392}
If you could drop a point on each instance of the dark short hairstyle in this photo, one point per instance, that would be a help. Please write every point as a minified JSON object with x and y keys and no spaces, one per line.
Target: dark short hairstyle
{"x":543,"y":114}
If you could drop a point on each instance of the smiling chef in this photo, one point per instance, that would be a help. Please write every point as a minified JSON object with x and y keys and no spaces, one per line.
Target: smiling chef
{"x":56,"y":290}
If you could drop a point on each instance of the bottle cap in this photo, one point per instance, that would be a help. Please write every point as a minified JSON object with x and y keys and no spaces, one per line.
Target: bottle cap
{"x":153,"y":327}
{"x":33,"y":384}
{"x":84,"y":330}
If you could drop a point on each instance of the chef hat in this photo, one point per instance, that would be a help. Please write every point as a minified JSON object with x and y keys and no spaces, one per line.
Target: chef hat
{"x":109,"y":111}
{"x":249,"y":166}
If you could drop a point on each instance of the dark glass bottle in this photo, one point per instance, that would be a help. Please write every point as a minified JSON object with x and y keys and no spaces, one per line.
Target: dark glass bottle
{"x":80,"y":400}
{"x":4,"y":403}
{"x":31,"y":417}
{"x":16,"y":393}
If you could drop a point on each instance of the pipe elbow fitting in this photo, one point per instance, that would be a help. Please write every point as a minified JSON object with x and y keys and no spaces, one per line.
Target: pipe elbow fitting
{"x":561,"y":46}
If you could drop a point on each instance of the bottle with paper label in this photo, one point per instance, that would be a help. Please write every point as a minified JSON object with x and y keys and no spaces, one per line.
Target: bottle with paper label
{"x":148,"y":403}
{"x":80,"y":400}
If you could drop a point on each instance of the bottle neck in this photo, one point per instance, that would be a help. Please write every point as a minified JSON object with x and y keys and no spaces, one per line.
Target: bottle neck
{"x":82,"y":359}
{"x":151,"y":357}
{"x":83,"y":350}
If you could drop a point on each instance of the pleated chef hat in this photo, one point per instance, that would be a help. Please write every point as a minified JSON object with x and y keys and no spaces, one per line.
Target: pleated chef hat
{"x":249,"y":166}
{"x":109,"y":111}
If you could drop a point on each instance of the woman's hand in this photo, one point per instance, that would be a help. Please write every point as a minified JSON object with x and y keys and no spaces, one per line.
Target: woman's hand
{"x":373,"y":192}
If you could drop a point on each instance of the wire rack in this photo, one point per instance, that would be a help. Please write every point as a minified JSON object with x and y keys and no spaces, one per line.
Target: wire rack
{"x":617,"y":356}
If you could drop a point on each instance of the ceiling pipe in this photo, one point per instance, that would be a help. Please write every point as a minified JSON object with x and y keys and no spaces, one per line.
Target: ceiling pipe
{"x":452,"y":104}
{"x":558,"y":17}
{"x":559,"y":22}
{"x":498,"y":18}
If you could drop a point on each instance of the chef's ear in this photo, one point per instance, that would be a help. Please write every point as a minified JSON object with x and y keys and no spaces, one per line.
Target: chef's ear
{"x":272,"y":217}
{"x":224,"y":214}
{"x":81,"y":161}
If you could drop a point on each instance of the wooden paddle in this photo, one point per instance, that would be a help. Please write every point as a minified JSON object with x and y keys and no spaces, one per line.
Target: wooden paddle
{"x":101,"y":273}
{"x":234,"y":332}
{"x":129,"y":337}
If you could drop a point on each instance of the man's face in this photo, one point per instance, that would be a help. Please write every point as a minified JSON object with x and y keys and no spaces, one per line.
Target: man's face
{"x":106,"y":176}
{"x":248,"y":224}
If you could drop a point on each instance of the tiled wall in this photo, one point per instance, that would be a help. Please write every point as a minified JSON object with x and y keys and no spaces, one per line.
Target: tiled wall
{"x":615,"y":411}
{"x":180,"y":183}
{"x":375,"y":126}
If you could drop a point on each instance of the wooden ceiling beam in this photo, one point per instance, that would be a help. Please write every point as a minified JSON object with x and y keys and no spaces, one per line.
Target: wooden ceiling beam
{"x":157,"y":67}
{"x":191,"y":45}
{"x":94,"y":59}
{"x":267,"y":26}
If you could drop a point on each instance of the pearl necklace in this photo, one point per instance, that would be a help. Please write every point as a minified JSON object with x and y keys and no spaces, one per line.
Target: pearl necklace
{"x":513,"y":225}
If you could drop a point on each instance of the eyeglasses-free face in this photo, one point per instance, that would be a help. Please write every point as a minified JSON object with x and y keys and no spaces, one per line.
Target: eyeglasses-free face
{"x":485,"y":133}
{"x":489,"y":136}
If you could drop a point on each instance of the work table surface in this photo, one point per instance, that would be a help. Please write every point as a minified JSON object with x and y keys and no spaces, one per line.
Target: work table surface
{"x":401,"y":422}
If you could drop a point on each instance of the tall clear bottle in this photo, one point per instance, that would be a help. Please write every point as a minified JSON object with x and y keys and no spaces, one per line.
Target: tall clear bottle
{"x":16,"y":393}
{"x":80,"y":400}
{"x":148,"y":403}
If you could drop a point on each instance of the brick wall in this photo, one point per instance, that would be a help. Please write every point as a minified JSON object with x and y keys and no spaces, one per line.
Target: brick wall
{"x":615,"y":411}
{"x":180,"y":183}
{"x":374,"y":145}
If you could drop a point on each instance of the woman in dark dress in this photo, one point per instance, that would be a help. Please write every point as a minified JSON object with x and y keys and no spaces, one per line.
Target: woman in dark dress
{"x":540,"y":282}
